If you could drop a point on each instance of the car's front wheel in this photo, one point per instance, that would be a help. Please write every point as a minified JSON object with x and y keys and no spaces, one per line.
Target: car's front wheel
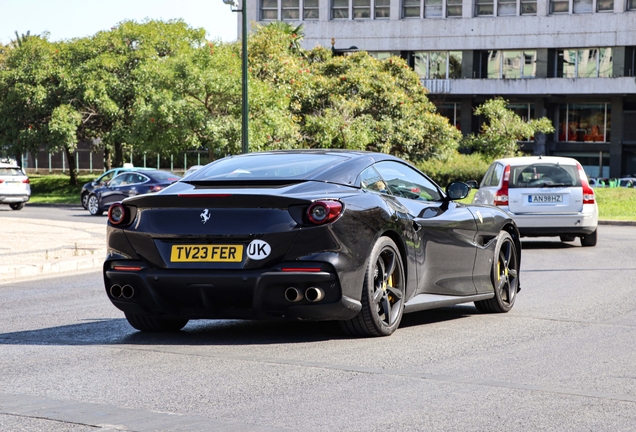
{"x":93,"y":206}
{"x":382,"y":293}
{"x":504,"y":276}
{"x":16,"y":206}
{"x":154,"y":324}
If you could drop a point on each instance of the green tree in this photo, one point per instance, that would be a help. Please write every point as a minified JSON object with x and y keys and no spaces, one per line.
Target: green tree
{"x":503,"y":129}
{"x":193,"y":100}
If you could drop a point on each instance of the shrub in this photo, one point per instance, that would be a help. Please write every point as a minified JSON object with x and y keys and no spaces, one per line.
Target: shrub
{"x":457,"y":167}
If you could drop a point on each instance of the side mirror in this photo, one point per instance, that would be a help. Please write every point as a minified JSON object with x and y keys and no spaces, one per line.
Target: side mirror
{"x":457,"y":190}
{"x":472,"y":184}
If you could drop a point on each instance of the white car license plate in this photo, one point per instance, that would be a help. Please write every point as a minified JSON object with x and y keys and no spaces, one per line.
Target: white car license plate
{"x":545,"y":198}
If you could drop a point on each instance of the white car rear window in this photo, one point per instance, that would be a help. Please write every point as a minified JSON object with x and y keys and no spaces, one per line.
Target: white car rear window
{"x":544,"y":175}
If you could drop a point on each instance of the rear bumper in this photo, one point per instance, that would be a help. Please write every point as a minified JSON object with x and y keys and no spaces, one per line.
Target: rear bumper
{"x":535,"y":224}
{"x":12,"y":199}
{"x":245,"y":294}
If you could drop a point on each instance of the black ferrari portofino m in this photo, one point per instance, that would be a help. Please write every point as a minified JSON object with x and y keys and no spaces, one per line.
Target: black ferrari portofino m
{"x":352,"y":236}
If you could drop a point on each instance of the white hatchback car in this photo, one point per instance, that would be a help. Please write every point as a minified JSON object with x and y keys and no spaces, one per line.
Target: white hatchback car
{"x":15,"y":189}
{"x":545,"y":195}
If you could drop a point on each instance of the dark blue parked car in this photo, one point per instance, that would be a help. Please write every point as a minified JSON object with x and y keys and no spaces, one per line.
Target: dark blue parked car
{"x":128,"y":184}
{"x":103,"y":179}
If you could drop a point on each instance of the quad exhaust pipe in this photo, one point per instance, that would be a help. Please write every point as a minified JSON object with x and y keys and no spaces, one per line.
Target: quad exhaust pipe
{"x":293,"y":294}
{"x":126,"y":292}
{"x":312,"y":294}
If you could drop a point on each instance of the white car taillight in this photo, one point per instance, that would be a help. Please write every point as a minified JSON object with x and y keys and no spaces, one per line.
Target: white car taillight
{"x":588,"y":192}
{"x":501,"y":196}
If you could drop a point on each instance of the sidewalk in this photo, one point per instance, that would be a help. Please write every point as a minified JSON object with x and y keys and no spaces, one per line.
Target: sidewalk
{"x":38,"y":247}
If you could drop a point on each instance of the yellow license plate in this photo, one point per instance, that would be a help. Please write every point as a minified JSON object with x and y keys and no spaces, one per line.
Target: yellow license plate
{"x":206,"y":253}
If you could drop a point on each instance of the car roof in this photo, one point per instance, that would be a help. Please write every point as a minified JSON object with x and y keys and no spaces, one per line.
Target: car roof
{"x":343,"y":172}
{"x":527,"y":160}
{"x":7,"y":165}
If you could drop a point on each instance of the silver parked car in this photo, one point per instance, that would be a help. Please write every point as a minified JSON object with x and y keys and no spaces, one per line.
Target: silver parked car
{"x":545,"y":195}
{"x":15,"y":189}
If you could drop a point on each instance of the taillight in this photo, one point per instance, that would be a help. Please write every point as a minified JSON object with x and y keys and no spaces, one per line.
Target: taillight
{"x":322,"y":212}
{"x":116,"y":214}
{"x":588,"y":192}
{"x":501,"y":196}
{"x":155,"y":188}
{"x":26,"y":181}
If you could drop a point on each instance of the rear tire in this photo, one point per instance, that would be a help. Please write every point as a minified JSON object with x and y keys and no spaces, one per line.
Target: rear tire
{"x":153,"y":324}
{"x":93,"y":206}
{"x":382,"y":293}
{"x":567,"y":238}
{"x":504,"y":277}
{"x":589,"y":239}
{"x":84,"y":200}
{"x":16,"y":206}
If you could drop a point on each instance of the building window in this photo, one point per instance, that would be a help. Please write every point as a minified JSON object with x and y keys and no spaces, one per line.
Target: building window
{"x":604,"y":5}
{"x":453,"y":8}
{"x":484,"y":8}
{"x":311,"y":10}
{"x":511,"y":64}
{"x":433,"y":8}
{"x":382,"y":9}
{"x":559,"y":6}
{"x":631,"y":4}
{"x":384,"y":55}
{"x":582,"y":6}
{"x":584,"y":122}
{"x":584,"y":63}
{"x":411,"y":9}
{"x":452,"y":112}
{"x":340,"y":9}
{"x":289,"y":10}
{"x":438,"y":64}
{"x":506,"y":7}
{"x":360,"y":9}
{"x":528,"y":7}
{"x":269,"y":10}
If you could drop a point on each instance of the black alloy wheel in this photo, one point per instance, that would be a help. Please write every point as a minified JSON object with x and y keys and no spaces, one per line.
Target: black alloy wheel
{"x":154,"y":324}
{"x":504,"y":276}
{"x":382,"y":293}
{"x":93,"y":206}
{"x":16,"y":206}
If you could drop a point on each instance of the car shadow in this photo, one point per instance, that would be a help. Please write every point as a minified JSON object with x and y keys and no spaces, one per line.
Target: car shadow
{"x":529,"y":245}
{"x":211,"y":332}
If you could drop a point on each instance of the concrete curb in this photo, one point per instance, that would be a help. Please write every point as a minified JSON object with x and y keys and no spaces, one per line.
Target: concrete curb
{"x":13,"y":273}
{"x":617,"y":223}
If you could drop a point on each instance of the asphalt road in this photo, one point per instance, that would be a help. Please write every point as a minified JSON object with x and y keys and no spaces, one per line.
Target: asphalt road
{"x":561,"y":360}
{"x":58,"y":213}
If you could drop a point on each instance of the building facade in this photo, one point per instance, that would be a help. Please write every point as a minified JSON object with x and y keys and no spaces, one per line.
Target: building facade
{"x":573,"y":61}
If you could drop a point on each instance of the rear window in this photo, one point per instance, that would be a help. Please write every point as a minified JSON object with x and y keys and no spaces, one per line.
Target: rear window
{"x":10,"y":172}
{"x":544,"y":175}
{"x":163,"y":176}
{"x":267,"y":167}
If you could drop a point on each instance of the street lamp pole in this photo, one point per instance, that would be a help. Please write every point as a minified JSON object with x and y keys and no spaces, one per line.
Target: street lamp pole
{"x":244,"y":106}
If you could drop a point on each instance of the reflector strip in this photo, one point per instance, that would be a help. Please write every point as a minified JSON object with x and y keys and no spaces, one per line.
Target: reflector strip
{"x":126,"y":268}
{"x":301,"y":269}
{"x":204,"y":195}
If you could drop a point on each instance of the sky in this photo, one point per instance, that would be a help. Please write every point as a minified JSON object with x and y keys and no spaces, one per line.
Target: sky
{"x":67,"y":19}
